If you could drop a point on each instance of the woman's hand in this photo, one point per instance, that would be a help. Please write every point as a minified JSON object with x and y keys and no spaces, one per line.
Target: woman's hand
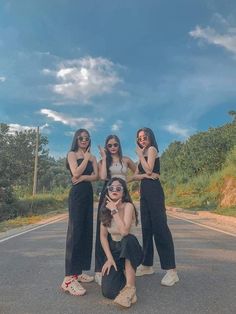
{"x":110,"y":204}
{"x":139,"y":151}
{"x":87,"y":155}
{"x":153,"y":176}
{"x":107,"y":266}
{"x":102,"y":152}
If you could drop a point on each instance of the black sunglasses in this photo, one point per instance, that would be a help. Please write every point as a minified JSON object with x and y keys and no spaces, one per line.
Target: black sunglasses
{"x":142,"y":138}
{"x":110,"y":145}
{"x":83,"y":138}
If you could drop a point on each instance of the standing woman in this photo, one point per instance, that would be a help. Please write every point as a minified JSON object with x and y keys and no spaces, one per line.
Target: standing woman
{"x":153,"y":211}
{"x":112,"y":164}
{"x":83,"y":168}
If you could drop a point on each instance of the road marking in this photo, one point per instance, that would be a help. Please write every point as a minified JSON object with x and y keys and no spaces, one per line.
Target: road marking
{"x":202,"y":225}
{"x":32,"y":229}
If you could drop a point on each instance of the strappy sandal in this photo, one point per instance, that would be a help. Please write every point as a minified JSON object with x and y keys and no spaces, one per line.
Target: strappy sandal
{"x":84,"y":278}
{"x":73,"y":287}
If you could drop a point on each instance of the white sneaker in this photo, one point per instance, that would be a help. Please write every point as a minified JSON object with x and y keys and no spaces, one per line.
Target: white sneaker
{"x":98,"y":278}
{"x":170,"y":278}
{"x":144,"y":270}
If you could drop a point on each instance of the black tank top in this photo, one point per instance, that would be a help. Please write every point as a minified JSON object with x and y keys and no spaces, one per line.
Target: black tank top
{"x":89,"y":168}
{"x":156,"y":168}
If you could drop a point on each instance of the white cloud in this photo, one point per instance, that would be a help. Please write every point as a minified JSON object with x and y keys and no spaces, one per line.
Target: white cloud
{"x":117,"y":125}
{"x":82,"y":79}
{"x":175,"y":129}
{"x":211,"y":36}
{"x":2,"y":79}
{"x":87,"y":123}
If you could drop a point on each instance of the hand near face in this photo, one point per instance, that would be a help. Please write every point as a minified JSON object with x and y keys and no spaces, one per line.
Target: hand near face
{"x":87,"y":154}
{"x":102,"y":152}
{"x":139,"y":151}
{"x":110,"y":204}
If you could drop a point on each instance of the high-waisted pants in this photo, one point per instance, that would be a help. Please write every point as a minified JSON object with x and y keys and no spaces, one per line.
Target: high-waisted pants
{"x":154,"y":224}
{"x":80,"y":229}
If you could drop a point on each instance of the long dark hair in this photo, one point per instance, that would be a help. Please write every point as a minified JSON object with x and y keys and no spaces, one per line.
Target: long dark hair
{"x":105,"y":215}
{"x":151,"y":136}
{"x":108,"y":154}
{"x":74,"y":145}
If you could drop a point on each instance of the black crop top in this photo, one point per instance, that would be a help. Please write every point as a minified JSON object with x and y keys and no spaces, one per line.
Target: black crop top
{"x":156,"y":168}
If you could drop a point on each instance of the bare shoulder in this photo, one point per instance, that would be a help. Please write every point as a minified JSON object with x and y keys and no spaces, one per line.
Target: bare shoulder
{"x":153,"y":150}
{"x":129,"y":206}
{"x":126,"y":159}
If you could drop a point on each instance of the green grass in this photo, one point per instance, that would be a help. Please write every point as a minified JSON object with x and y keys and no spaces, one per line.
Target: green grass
{"x":226,"y":211}
{"x":23,"y":221}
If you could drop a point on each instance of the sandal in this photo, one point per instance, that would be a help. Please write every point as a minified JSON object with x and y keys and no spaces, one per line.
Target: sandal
{"x":84,"y":278}
{"x":73,"y":287}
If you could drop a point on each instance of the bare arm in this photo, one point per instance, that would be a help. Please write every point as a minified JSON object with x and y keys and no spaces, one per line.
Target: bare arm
{"x":149,"y":163}
{"x":102,"y":165}
{"x":139,"y":176}
{"x":91,"y":177}
{"x":74,"y":168}
{"x":123,"y":224}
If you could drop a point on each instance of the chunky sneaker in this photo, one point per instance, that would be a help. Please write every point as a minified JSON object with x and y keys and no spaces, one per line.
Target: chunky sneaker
{"x":126,"y":297}
{"x":84,"y":278}
{"x":144,"y":270}
{"x":170,"y":278}
{"x":72,"y":286}
{"x":98,"y":278}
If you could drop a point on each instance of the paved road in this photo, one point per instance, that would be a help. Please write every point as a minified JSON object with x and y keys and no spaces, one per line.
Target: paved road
{"x":32,"y":268}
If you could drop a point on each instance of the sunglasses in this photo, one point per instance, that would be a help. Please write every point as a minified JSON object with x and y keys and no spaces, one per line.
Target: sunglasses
{"x":113,"y":188}
{"x":83,"y":138}
{"x":142,"y":138}
{"x":110,"y":145}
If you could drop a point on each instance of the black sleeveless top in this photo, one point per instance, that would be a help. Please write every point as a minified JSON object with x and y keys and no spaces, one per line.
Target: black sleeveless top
{"x":89,"y":168}
{"x":156,"y":168}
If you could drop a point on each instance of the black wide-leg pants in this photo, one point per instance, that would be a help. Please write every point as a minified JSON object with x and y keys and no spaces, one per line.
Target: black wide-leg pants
{"x":154,"y":224}
{"x":80,"y":229}
{"x":128,"y":248}
{"x":100,"y":256}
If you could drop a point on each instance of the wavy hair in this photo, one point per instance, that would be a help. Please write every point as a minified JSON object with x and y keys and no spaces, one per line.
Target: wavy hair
{"x":105,"y":214}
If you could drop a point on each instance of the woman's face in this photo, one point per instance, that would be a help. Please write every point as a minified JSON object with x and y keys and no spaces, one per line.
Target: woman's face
{"x":143,"y":139}
{"x":115,"y":191}
{"x":83,"y":140}
{"x":112,"y":146}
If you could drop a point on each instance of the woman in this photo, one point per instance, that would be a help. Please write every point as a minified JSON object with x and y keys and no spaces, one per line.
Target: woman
{"x":83,"y":168}
{"x":153,"y":212}
{"x":122,"y":249}
{"x":112,"y":163}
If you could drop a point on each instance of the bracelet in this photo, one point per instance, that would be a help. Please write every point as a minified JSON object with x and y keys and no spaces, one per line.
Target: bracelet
{"x":114,"y":211}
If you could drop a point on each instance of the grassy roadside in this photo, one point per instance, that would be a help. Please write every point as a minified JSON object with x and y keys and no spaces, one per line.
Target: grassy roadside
{"x":23,"y":221}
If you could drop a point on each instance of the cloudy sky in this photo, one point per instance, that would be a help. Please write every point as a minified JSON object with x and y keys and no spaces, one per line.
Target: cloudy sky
{"x":115,"y":66}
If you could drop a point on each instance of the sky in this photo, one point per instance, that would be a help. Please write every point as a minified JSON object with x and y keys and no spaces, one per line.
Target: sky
{"x":113,"y":67}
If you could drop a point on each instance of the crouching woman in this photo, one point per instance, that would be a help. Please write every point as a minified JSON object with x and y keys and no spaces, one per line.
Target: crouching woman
{"x":122,"y":249}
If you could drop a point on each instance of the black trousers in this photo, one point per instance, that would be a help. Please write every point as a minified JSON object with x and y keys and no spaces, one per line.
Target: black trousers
{"x":80,"y":229}
{"x":154,"y":224}
{"x":128,"y":248}
{"x":100,"y":256}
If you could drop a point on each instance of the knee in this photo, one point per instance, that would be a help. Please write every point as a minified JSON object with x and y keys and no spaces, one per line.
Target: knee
{"x":108,"y":292}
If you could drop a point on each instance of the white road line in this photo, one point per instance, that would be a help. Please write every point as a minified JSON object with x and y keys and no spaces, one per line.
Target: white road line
{"x":35,"y":228}
{"x":202,"y":225}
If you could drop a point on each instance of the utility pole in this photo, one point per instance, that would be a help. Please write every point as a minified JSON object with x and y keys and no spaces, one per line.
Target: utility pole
{"x":36,"y":162}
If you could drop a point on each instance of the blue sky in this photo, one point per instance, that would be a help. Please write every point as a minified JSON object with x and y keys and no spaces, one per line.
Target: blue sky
{"x":115,"y":66}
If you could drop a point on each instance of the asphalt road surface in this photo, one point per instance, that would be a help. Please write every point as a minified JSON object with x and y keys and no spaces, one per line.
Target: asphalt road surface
{"x":32,"y":269}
